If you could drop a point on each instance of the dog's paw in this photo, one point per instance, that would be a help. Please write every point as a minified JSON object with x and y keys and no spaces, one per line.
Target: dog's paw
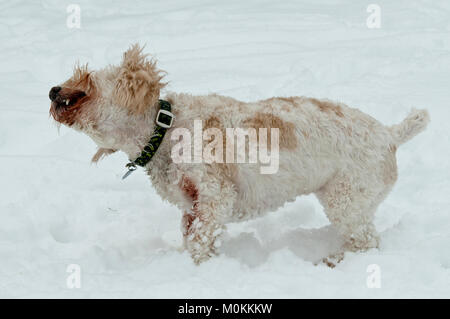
{"x":332,"y":260}
{"x":200,"y":258}
{"x":201,"y":250}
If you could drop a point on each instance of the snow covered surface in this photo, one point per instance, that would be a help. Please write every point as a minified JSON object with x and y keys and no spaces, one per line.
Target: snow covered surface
{"x":57,"y":209}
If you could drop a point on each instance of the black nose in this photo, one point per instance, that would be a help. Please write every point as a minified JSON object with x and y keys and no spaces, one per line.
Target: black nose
{"x":54,"y":92}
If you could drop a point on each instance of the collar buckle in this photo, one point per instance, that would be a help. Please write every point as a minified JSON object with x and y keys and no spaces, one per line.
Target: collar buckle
{"x":160,"y":117}
{"x":131,"y":168}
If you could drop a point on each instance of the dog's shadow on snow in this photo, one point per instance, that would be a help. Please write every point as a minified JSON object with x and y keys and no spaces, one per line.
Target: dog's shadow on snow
{"x":308,"y":244}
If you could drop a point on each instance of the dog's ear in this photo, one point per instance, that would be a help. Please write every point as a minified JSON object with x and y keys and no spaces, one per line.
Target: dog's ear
{"x":139,"y":81}
{"x":101,"y":153}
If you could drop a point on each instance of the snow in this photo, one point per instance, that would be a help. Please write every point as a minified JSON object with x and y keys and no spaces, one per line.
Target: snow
{"x":56,"y":209}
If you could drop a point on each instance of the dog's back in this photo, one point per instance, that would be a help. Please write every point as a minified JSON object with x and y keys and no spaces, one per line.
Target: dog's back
{"x":318,"y":140}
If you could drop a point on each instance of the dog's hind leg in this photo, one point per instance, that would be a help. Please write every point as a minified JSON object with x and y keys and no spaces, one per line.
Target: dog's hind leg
{"x":350,"y":203}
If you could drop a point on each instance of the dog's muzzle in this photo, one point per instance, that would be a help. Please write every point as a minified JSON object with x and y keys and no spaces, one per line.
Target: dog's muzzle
{"x":64,"y":97}
{"x":53,"y":94}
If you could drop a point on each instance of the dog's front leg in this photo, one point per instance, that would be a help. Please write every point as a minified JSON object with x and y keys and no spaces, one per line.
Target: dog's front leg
{"x":203,"y":224}
{"x":201,"y":233}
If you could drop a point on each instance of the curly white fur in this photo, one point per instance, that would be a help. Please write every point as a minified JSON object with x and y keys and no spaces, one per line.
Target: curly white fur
{"x":342,"y":155}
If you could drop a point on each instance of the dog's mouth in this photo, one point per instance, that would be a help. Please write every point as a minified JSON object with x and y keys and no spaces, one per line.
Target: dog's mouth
{"x":64,"y":103}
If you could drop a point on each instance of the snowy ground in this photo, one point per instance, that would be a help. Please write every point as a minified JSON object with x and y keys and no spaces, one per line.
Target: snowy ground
{"x":56,"y":209}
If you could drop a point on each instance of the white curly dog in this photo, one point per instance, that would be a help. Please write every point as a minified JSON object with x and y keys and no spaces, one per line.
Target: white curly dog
{"x":343,"y":156}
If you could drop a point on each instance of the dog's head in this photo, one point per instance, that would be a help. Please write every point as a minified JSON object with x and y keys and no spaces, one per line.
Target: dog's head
{"x":102,"y":102}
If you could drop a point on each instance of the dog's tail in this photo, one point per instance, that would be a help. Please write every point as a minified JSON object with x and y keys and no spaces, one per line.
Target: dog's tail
{"x":413,"y":124}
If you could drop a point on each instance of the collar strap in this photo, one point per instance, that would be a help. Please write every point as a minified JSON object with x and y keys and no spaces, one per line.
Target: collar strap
{"x":164,"y":120}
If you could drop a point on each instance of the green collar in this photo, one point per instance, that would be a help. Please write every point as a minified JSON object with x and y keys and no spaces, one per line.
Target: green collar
{"x":164,"y":120}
